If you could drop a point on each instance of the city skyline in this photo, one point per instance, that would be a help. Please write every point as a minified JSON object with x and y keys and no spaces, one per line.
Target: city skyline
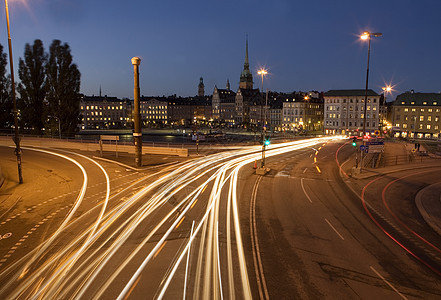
{"x":312,"y":46}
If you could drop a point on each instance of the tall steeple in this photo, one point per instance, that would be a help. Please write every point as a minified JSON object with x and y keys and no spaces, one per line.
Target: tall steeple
{"x":201,"y":88}
{"x":228,"y":84}
{"x":246,"y":78}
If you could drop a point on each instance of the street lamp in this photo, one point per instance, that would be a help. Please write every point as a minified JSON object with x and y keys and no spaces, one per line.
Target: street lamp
{"x":16,"y":136}
{"x":262,"y":72}
{"x":367,"y":36}
{"x":137,"y":132}
{"x":386,"y":90}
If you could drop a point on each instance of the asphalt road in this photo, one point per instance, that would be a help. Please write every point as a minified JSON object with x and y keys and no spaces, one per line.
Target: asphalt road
{"x":210,"y":228}
{"x":318,"y":238}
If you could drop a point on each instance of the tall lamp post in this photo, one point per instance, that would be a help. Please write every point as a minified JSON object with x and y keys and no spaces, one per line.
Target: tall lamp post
{"x":367,"y":36}
{"x":262,"y":72}
{"x":386,"y":90}
{"x":137,"y":133}
{"x":16,"y":136}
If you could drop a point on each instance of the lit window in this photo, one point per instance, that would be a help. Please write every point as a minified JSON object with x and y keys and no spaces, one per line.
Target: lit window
{"x":413,"y":102}
{"x":406,"y":109}
{"x":424,"y":103}
{"x":435,"y":103}
{"x":429,"y":110}
{"x":428,"y":126}
{"x":402,"y":102}
{"x":422,"y":109}
{"x":429,"y":118}
{"x":421,"y":118}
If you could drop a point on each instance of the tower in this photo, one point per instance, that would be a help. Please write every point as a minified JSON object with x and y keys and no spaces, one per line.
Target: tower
{"x":246,"y":78}
{"x":201,"y":90}
{"x":228,"y":84}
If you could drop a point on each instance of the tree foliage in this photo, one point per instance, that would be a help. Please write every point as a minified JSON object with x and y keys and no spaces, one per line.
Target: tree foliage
{"x":6,"y":105}
{"x":63,"y":88}
{"x":32,"y":88}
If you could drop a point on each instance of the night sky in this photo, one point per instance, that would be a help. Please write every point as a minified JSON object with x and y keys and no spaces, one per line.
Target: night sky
{"x":305,"y":45}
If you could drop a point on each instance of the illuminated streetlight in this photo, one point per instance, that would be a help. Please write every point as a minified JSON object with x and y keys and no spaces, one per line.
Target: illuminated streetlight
{"x":367,"y":36}
{"x":262,"y":72}
{"x":16,"y":136}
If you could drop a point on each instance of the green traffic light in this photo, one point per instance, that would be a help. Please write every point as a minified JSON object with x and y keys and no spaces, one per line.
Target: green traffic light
{"x":354,"y":144}
{"x":267,"y":142}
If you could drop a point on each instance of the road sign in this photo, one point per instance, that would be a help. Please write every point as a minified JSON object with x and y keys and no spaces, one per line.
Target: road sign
{"x":362,"y":147}
{"x":376,"y":147}
{"x":377,"y":132}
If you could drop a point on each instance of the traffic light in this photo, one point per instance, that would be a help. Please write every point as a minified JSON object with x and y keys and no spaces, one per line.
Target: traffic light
{"x":354,"y":141}
{"x":267,"y":142}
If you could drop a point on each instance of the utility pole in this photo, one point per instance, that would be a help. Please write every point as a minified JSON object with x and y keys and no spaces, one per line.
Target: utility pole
{"x":137,"y":132}
{"x":16,"y":136}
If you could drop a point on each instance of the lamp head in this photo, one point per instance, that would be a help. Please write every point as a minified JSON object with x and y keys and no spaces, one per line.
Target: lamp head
{"x":136,"y":61}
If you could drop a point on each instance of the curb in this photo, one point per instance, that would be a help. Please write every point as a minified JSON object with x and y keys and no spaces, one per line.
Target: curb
{"x":426,"y":216}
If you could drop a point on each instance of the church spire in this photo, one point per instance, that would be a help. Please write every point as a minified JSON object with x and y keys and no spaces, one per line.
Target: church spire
{"x":246,"y":78}
{"x":247,"y":63}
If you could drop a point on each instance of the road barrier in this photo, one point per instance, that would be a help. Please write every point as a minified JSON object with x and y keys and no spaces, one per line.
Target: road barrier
{"x":91,"y":146}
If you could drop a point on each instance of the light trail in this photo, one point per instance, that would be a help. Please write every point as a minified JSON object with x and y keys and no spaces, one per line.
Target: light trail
{"x":78,"y":264}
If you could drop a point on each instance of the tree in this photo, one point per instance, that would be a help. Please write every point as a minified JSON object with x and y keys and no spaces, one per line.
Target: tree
{"x":63,"y":89}
{"x":6,"y":105}
{"x":32,"y":88}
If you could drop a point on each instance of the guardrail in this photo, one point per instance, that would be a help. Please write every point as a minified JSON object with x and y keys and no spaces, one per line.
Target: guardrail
{"x":91,"y":146}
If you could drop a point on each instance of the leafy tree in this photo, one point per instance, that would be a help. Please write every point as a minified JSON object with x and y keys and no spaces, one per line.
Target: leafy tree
{"x":32,"y":88}
{"x":63,"y":90}
{"x":6,"y":105}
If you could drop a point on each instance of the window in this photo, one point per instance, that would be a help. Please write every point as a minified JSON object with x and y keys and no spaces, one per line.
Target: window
{"x":413,"y":109}
{"x":421,"y":126}
{"x":412,"y":103}
{"x":422,"y":109}
{"x":404,"y":126}
{"x":398,"y":117}
{"x":424,"y":103}
{"x":429,"y":118}
{"x":428,"y":126}
{"x":421,"y":118}
{"x":402,"y":102}
{"x":437,"y":119}
{"x":406,"y":109}
{"x":429,"y":110}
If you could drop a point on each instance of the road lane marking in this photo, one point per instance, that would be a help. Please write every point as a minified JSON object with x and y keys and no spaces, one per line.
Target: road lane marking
{"x":304,"y":191}
{"x":388,"y":283}
{"x":180,"y":222}
{"x":329,"y":223}
{"x":258,"y":267}
{"x":318,"y":169}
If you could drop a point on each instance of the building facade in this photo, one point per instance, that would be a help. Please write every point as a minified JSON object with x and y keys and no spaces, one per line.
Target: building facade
{"x":417,"y":115}
{"x":302,"y":112}
{"x":223,"y":106}
{"x":104,"y":112}
{"x":154,"y":110}
{"x":344,"y":112}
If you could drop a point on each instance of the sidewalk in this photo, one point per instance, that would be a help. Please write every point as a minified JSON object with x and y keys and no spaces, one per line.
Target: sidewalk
{"x":428,"y":200}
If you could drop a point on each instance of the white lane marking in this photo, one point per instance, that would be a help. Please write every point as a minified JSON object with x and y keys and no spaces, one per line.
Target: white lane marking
{"x":388,"y":283}
{"x":304,"y":191}
{"x":258,"y":266}
{"x":304,"y":171}
{"x":329,"y":223}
